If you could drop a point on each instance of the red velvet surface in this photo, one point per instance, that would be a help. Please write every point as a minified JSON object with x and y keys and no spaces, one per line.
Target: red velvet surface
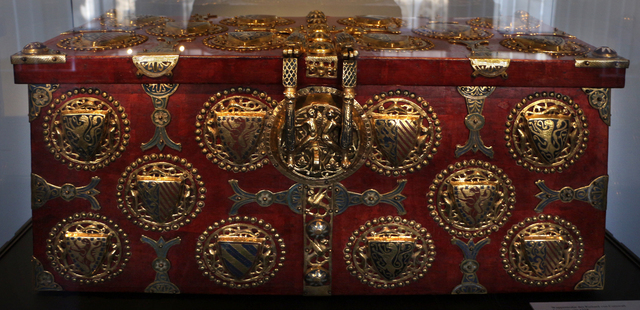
{"x":441,"y":278}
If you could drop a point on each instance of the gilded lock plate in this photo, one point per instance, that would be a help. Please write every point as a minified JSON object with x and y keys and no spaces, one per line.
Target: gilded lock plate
{"x":161,"y":192}
{"x":88,"y":248}
{"x":407,"y":133}
{"x":389,"y":252}
{"x":100,"y":40}
{"x":240,"y":252}
{"x":245,"y":41}
{"x":542,"y":250}
{"x":257,"y":20}
{"x":546,"y":132}
{"x":393,"y":42}
{"x":186,"y":29}
{"x":86,"y":129}
{"x":230,"y":128}
{"x":318,"y":157}
{"x":452,"y":31}
{"x":471,"y":199}
{"x":554,"y":45}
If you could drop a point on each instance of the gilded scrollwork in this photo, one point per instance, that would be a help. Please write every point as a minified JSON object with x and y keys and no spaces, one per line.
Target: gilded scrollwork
{"x":407,"y":133}
{"x":317,"y":218}
{"x":546,"y":132}
{"x":240,"y":252}
{"x":593,"y":279}
{"x":555,"y":45}
{"x":230,"y":126}
{"x":161,"y":192}
{"x":452,"y":31}
{"x":389,"y":252}
{"x":542,"y":250}
{"x":40,"y":95}
{"x":393,"y":42}
{"x":471,"y":199}
{"x":43,"y":280}
{"x":600,"y":99}
{"x":100,"y":40}
{"x":372,"y":23}
{"x":196,"y":26}
{"x":86,"y":128}
{"x":88,"y":248}
{"x":257,"y":20}
{"x":595,"y":194}
{"x":316,"y":155}
{"x":245,"y":41}
{"x":43,"y":191}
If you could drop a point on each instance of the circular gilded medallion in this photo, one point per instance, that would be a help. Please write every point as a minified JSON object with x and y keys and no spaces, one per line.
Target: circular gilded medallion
{"x":100,"y":40}
{"x":389,"y":252}
{"x":86,"y":129}
{"x":245,"y":41}
{"x":542,"y":250}
{"x":317,"y":150}
{"x":546,"y":132}
{"x":240,"y":252}
{"x":471,"y":199}
{"x":180,"y":29}
{"x":88,"y":248}
{"x":230,"y":126}
{"x":373,"y":22}
{"x":407,"y":133}
{"x":257,"y":20}
{"x":161,"y":192}
{"x":393,"y":42}
{"x":452,"y":31}
{"x":554,"y":45}
{"x":521,"y":22}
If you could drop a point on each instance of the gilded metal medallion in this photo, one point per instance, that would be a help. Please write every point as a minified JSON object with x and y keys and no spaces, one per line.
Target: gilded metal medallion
{"x":389,"y":252}
{"x":88,"y":248}
{"x":407,"y":133}
{"x":316,"y":155}
{"x":111,"y":19}
{"x":520,"y":23}
{"x":240,"y":252}
{"x":374,"y":23}
{"x":257,"y":20}
{"x":554,"y":45}
{"x":196,"y":26}
{"x":100,"y":40}
{"x":452,"y":31}
{"x":245,"y":41}
{"x":230,"y":127}
{"x":161,"y":192}
{"x":393,"y":42}
{"x":86,"y":128}
{"x":471,"y":199}
{"x":546,"y":132}
{"x":542,"y":250}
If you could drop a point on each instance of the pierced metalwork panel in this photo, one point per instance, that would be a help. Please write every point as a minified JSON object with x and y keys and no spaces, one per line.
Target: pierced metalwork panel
{"x":100,"y":40}
{"x":542,"y":250}
{"x":229,"y":128}
{"x":197,"y":26}
{"x":452,"y":31}
{"x":393,"y":42}
{"x":240,"y":252}
{"x":161,"y":192}
{"x":374,"y":23}
{"x":257,"y":20}
{"x":555,"y":45}
{"x":88,"y":248}
{"x":407,"y":133}
{"x":471,"y":199}
{"x":546,"y":132}
{"x":245,"y":41}
{"x":389,"y":252}
{"x":520,"y":22}
{"x":86,"y":128}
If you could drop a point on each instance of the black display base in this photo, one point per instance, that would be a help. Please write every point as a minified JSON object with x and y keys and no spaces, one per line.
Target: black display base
{"x":16,"y":291}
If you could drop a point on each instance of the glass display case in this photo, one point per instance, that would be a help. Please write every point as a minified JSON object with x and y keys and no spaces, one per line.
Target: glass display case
{"x":410,"y":147}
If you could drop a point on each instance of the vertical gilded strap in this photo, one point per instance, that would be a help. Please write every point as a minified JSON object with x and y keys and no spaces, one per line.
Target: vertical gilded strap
{"x":318,"y":223}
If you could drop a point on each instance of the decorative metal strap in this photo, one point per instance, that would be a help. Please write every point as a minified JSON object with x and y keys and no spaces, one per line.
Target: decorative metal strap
{"x":294,"y":196}
{"x":593,"y":279}
{"x":317,"y":218}
{"x":42,"y":191}
{"x":600,"y":99}
{"x":475,"y":96}
{"x":595,"y":194}
{"x":43,"y":279}
{"x":40,"y":95}
{"x":469,"y":266}
{"x":160,"y":117}
{"x":161,"y":265}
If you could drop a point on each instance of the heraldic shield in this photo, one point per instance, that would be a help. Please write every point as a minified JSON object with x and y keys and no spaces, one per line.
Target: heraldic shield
{"x":474,"y":201}
{"x":83,"y":130}
{"x":239,"y":254}
{"x":160,"y":196}
{"x":391,"y":255}
{"x":548,"y":135}
{"x":397,"y":135}
{"x":545,"y":254}
{"x":86,"y":250}
{"x":240,"y":133}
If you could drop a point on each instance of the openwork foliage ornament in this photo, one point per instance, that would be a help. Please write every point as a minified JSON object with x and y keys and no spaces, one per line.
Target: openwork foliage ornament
{"x":407,"y":133}
{"x":389,"y":252}
{"x":317,"y":156}
{"x":542,"y":250}
{"x":471,"y":199}
{"x":555,"y":45}
{"x":100,"y":40}
{"x":245,"y":41}
{"x":88,"y":248}
{"x":373,"y":23}
{"x":229,"y":129}
{"x":546,"y":132}
{"x":195,"y":27}
{"x":240,"y":252}
{"x":86,"y":129}
{"x":393,"y":42}
{"x":161,"y":192}
{"x":257,"y":20}
{"x":452,"y":31}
